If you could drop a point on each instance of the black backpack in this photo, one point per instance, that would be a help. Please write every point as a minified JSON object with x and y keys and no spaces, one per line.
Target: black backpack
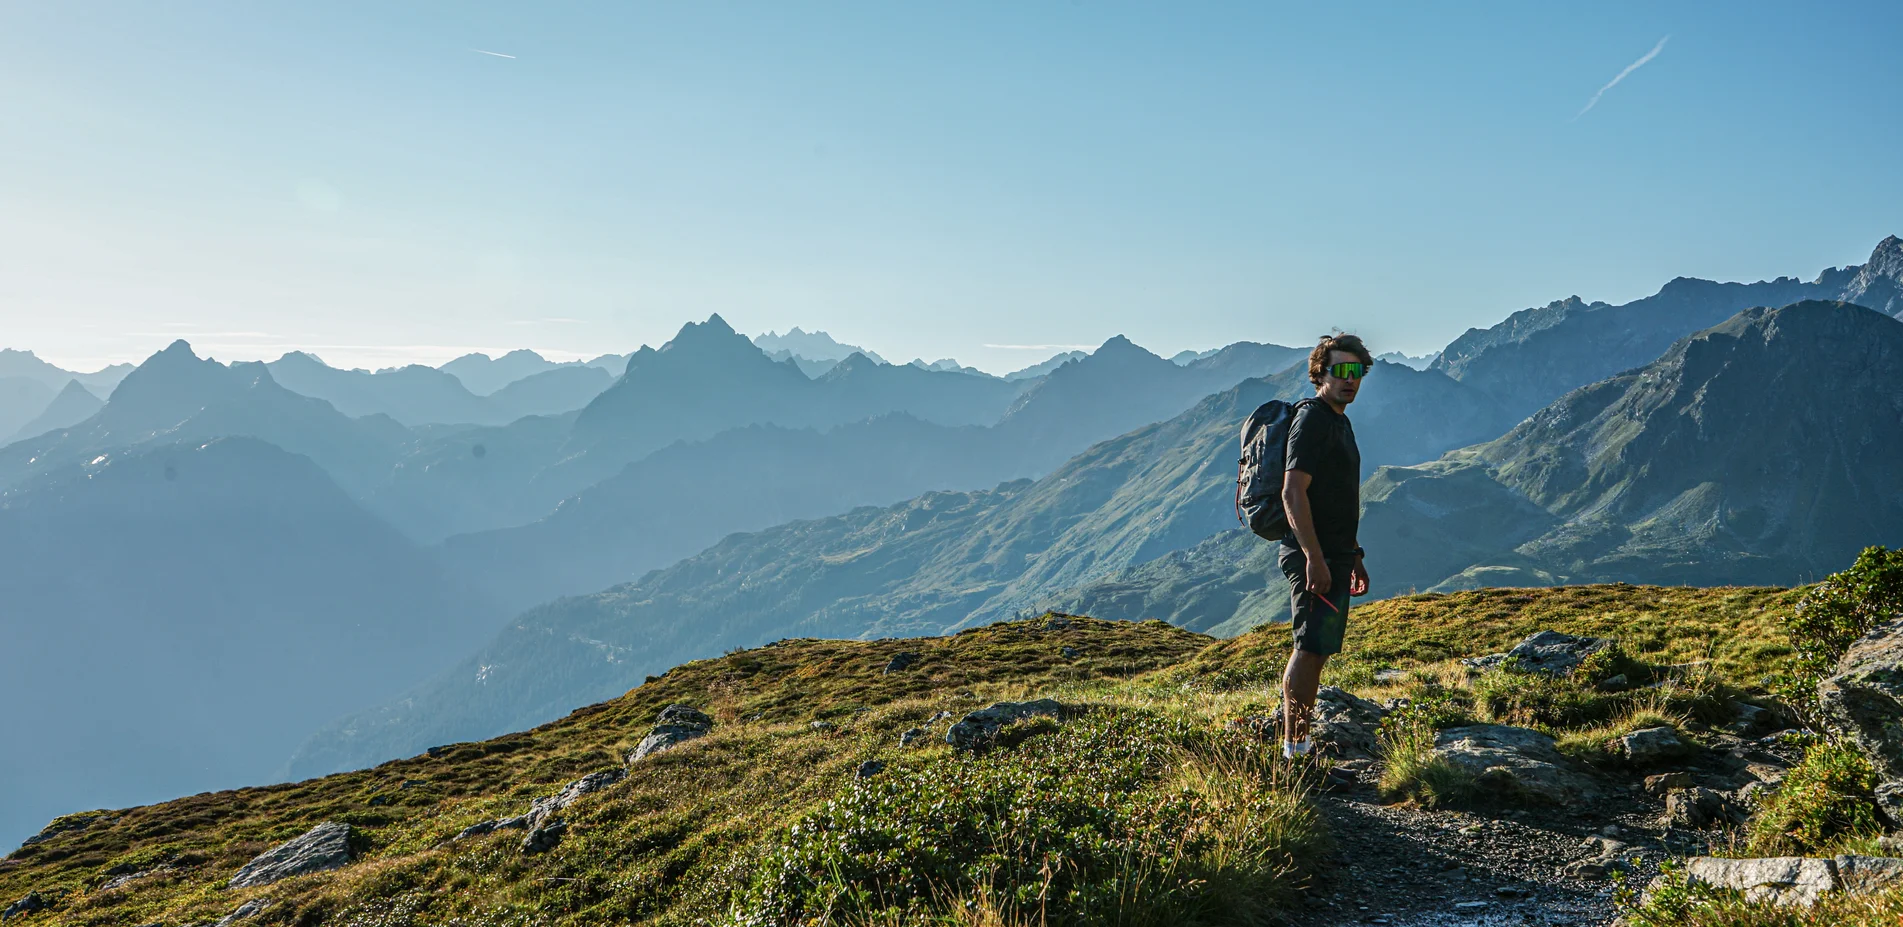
{"x":1259,"y":471}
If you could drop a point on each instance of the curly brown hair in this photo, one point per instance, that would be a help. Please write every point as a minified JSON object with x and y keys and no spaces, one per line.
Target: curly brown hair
{"x":1339,"y":341}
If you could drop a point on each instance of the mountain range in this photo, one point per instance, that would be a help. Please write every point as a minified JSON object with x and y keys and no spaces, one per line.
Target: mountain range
{"x":180,"y":614}
{"x":483,"y":375}
{"x":1536,"y":355}
{"x":678,"y":500}
{"x":419,"y":395}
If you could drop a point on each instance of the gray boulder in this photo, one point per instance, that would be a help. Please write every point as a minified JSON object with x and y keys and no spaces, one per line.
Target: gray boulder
{"x":1345,"y":726}
{"x":978,"y":728}
{"x":1863,"y":703}
{"x":900,"y":662}
{"x":676,"y":725}
{"x":1792,"y":880}
{"x":1784,"y":880}
{"x":912,"y":736}
{"x":1548,"y":652}
{"x":1699,"y":808}
{"x":1652,"y":745}
{"x":1514,"y":762}
{"x":322,"y":848}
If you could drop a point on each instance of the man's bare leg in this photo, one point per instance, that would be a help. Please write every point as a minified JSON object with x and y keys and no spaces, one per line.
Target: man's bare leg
{"x":1299,"y":684}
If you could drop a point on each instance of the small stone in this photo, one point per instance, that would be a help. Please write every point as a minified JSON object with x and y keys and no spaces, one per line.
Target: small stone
{"x":823,"y":726}
{"x":900,"y":662}
{"x":1652,"y":745}
{"x":915,"y":735}
{"x":1666,"y":782}
{"x":1471,"y":905}
{"x":246,"y":911}
{"x":1070,"y":653}
{"x":868,"y":769}
{"x":1389,"y":677}
{"x":1589,"y":870}
{"x":1615,"y":683}
{"x":1611,"y":830}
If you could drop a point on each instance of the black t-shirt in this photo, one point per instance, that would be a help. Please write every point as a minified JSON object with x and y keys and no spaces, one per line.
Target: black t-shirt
{"x":1321,"y":443}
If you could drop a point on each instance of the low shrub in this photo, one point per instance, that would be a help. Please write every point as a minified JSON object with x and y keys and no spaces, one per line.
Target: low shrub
{"x":1108,"y":819}
{"x":1831,"y":615}
{"x":1826,"y":800}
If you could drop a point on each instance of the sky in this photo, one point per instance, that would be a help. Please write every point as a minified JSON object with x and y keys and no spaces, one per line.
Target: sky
{"x":386,"y":183}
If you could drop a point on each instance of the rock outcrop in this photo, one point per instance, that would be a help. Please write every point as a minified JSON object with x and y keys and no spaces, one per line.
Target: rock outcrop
{"x":1548,"y":652}
{"x":978,"y":728}
{"x":544,"y":827}
{"x":1863,"y":702}
{"x":322,"y":848}
{"x":1514,"y":762}
{"x":676,"y":725}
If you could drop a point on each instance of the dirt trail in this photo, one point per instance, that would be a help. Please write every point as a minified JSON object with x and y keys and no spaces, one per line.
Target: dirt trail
{"x":1404,"y":867}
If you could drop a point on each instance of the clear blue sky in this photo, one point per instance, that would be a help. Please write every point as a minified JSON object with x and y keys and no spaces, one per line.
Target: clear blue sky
{"x":922,"y":178}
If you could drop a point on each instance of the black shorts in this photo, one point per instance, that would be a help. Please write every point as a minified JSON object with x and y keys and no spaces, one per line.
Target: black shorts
{"x":1318,"y":622}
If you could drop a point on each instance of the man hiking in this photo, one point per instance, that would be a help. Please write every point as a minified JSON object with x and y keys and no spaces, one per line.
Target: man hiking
{"x":1321,"y":493}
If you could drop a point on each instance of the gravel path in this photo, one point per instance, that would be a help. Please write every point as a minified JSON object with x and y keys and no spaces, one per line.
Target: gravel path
{"x":1404,"y":867}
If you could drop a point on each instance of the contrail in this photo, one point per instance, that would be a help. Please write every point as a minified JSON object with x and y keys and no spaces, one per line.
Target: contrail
{"x":501,"y":55}
{"x":1654,"y":53}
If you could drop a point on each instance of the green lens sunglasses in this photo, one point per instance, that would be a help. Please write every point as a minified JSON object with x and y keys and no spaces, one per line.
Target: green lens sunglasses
{"x":1350,"y":371}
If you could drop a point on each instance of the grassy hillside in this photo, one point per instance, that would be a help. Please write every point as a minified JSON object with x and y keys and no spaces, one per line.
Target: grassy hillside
{"x":1139,"y":791}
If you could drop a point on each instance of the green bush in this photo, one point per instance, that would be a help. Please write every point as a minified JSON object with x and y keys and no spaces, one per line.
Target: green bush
{"x":1827,"y":799}
{"x":1107,"y":819}
{"x":1831,"y":615}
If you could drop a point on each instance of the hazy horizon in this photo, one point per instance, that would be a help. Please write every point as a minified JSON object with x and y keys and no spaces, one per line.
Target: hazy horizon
{"x":381,"y":185}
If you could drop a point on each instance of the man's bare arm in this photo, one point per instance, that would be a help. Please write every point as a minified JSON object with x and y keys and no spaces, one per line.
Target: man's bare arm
{"x":1302,"y":522}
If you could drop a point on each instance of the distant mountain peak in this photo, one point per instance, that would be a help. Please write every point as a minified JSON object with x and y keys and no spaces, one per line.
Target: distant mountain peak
{"x":716,"y":323}
{"x":179,"y":348}
{"x":1121,"y":348}
{"x":809,"y":345}
{"x":522,"y":354}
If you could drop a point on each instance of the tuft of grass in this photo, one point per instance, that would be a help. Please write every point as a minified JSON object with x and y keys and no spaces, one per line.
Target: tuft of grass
{"x":1598,"y":745}
{"x":1412,"y":771}
{"x":1826,"y":801}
